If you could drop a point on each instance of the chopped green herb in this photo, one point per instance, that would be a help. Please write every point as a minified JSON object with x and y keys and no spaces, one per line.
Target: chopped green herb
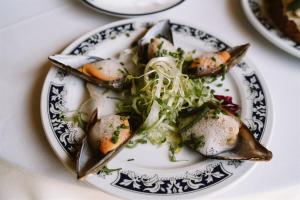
{"x":115,"y":136}
{"x":212,"y":79}
{"x":159,"y":48}
{"x":108,"y":171}
{"x":172,"y":157}
{"x":133,"y":144}
{"x":213,"y":59}
{"x":195,"y":141}
{"x":219,"y":85}
{"x":227,"y":90}
{"x":77,"y":120}
{"x":127,"y":34}
{"x":215,"y":113}
{"x":223,"y":71}
{"x":130,"y":159}
{"x":124,"y":126}
{"x":113,"y":37}
{"x":124,"y":117}
{"x":199,"y":142}
{"x":194,"y":51}
{"x":122,"y":63}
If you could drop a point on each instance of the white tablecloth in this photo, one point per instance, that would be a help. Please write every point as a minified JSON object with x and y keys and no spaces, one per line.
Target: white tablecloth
{"x":32,"y":30}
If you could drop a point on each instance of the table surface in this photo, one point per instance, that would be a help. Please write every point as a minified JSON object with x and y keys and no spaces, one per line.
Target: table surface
{"x":32,"y":30}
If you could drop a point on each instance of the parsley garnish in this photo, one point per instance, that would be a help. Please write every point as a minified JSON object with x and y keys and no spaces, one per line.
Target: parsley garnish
{"x":115,"y":136}
{"x":195,"y":141}
{"x":133,"y":144}
{"x":223,"y":71}
{"x":124,"y":117}
{"x":107,"y":171}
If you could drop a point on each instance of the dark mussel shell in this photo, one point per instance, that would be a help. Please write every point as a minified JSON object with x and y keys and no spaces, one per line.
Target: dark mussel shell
{"x":89,"y":160}
{"x":161,"y":29}
{"x":246,"y":146}
{"x":69,"y":63}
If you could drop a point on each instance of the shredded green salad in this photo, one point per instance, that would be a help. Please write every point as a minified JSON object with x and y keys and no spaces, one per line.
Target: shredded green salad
{"x":159,"y":94}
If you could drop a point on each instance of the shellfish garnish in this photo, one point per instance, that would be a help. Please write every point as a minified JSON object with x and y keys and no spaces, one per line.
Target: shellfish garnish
{"x":215,"y":63}
{"x":106,"y":73}
{"x":106,"y":137}
{"x":158,"y":38}
{"x":215,"y":133}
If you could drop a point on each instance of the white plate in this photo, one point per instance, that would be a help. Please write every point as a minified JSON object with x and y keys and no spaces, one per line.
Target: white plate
{"x":255,"y":13}
{"x":131,"y":8}
{"x":151,"y":174}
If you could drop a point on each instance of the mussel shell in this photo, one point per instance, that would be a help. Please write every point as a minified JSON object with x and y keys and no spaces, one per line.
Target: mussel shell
{"x":69,"y":63}
{"x":89,"y":159}
{"x":236,"y":53}
{"x":162,"y":29}
{"x":89,"y":162}
{"x":246,"y":147}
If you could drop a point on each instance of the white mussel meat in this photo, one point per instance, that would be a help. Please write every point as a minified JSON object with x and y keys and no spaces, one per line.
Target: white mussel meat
{"x":216,"y":133}
{"x":158,"y":37}
{"x":106,"y":137}
{"x":215,"y":63}
{"x":101,"y":72}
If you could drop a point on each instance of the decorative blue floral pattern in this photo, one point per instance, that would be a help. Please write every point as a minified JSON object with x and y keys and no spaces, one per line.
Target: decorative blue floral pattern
{"x":129,"y":180}
{"x":98,"y":38}
{"x":62,"y":130}
{"x":175,"y":185}
{"x":200,"y":35}
{"x":259,"y":112}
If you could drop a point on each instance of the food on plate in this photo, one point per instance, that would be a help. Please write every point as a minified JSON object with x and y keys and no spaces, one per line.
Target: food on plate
{"x":209,"y":64}
{"x":286,"y":15}
{"x":159,"y":44}
{"x":106,"y":70}
{"x":109,"y":132}
{"x":215,"y":132}
{"x":166,"y":98}
{"x":105,"y":137}
{"x":104,"y":73}
{"x":157,"y":39}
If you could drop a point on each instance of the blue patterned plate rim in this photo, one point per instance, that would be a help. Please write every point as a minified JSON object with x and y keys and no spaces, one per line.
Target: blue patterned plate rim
{"x":132,"y":183}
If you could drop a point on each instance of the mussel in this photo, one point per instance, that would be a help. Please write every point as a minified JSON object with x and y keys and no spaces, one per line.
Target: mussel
{"x":215,"y":63}
{"x":158,"y":38}
{"x":216,"y":133}
{"x":101,"y":72}
{"x":106,"y":136}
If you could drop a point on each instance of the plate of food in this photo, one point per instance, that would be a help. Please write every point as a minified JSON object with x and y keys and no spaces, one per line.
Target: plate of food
{"x":277,"y":20}
{"x":148,"y":109}
{"x":131,"y":8}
